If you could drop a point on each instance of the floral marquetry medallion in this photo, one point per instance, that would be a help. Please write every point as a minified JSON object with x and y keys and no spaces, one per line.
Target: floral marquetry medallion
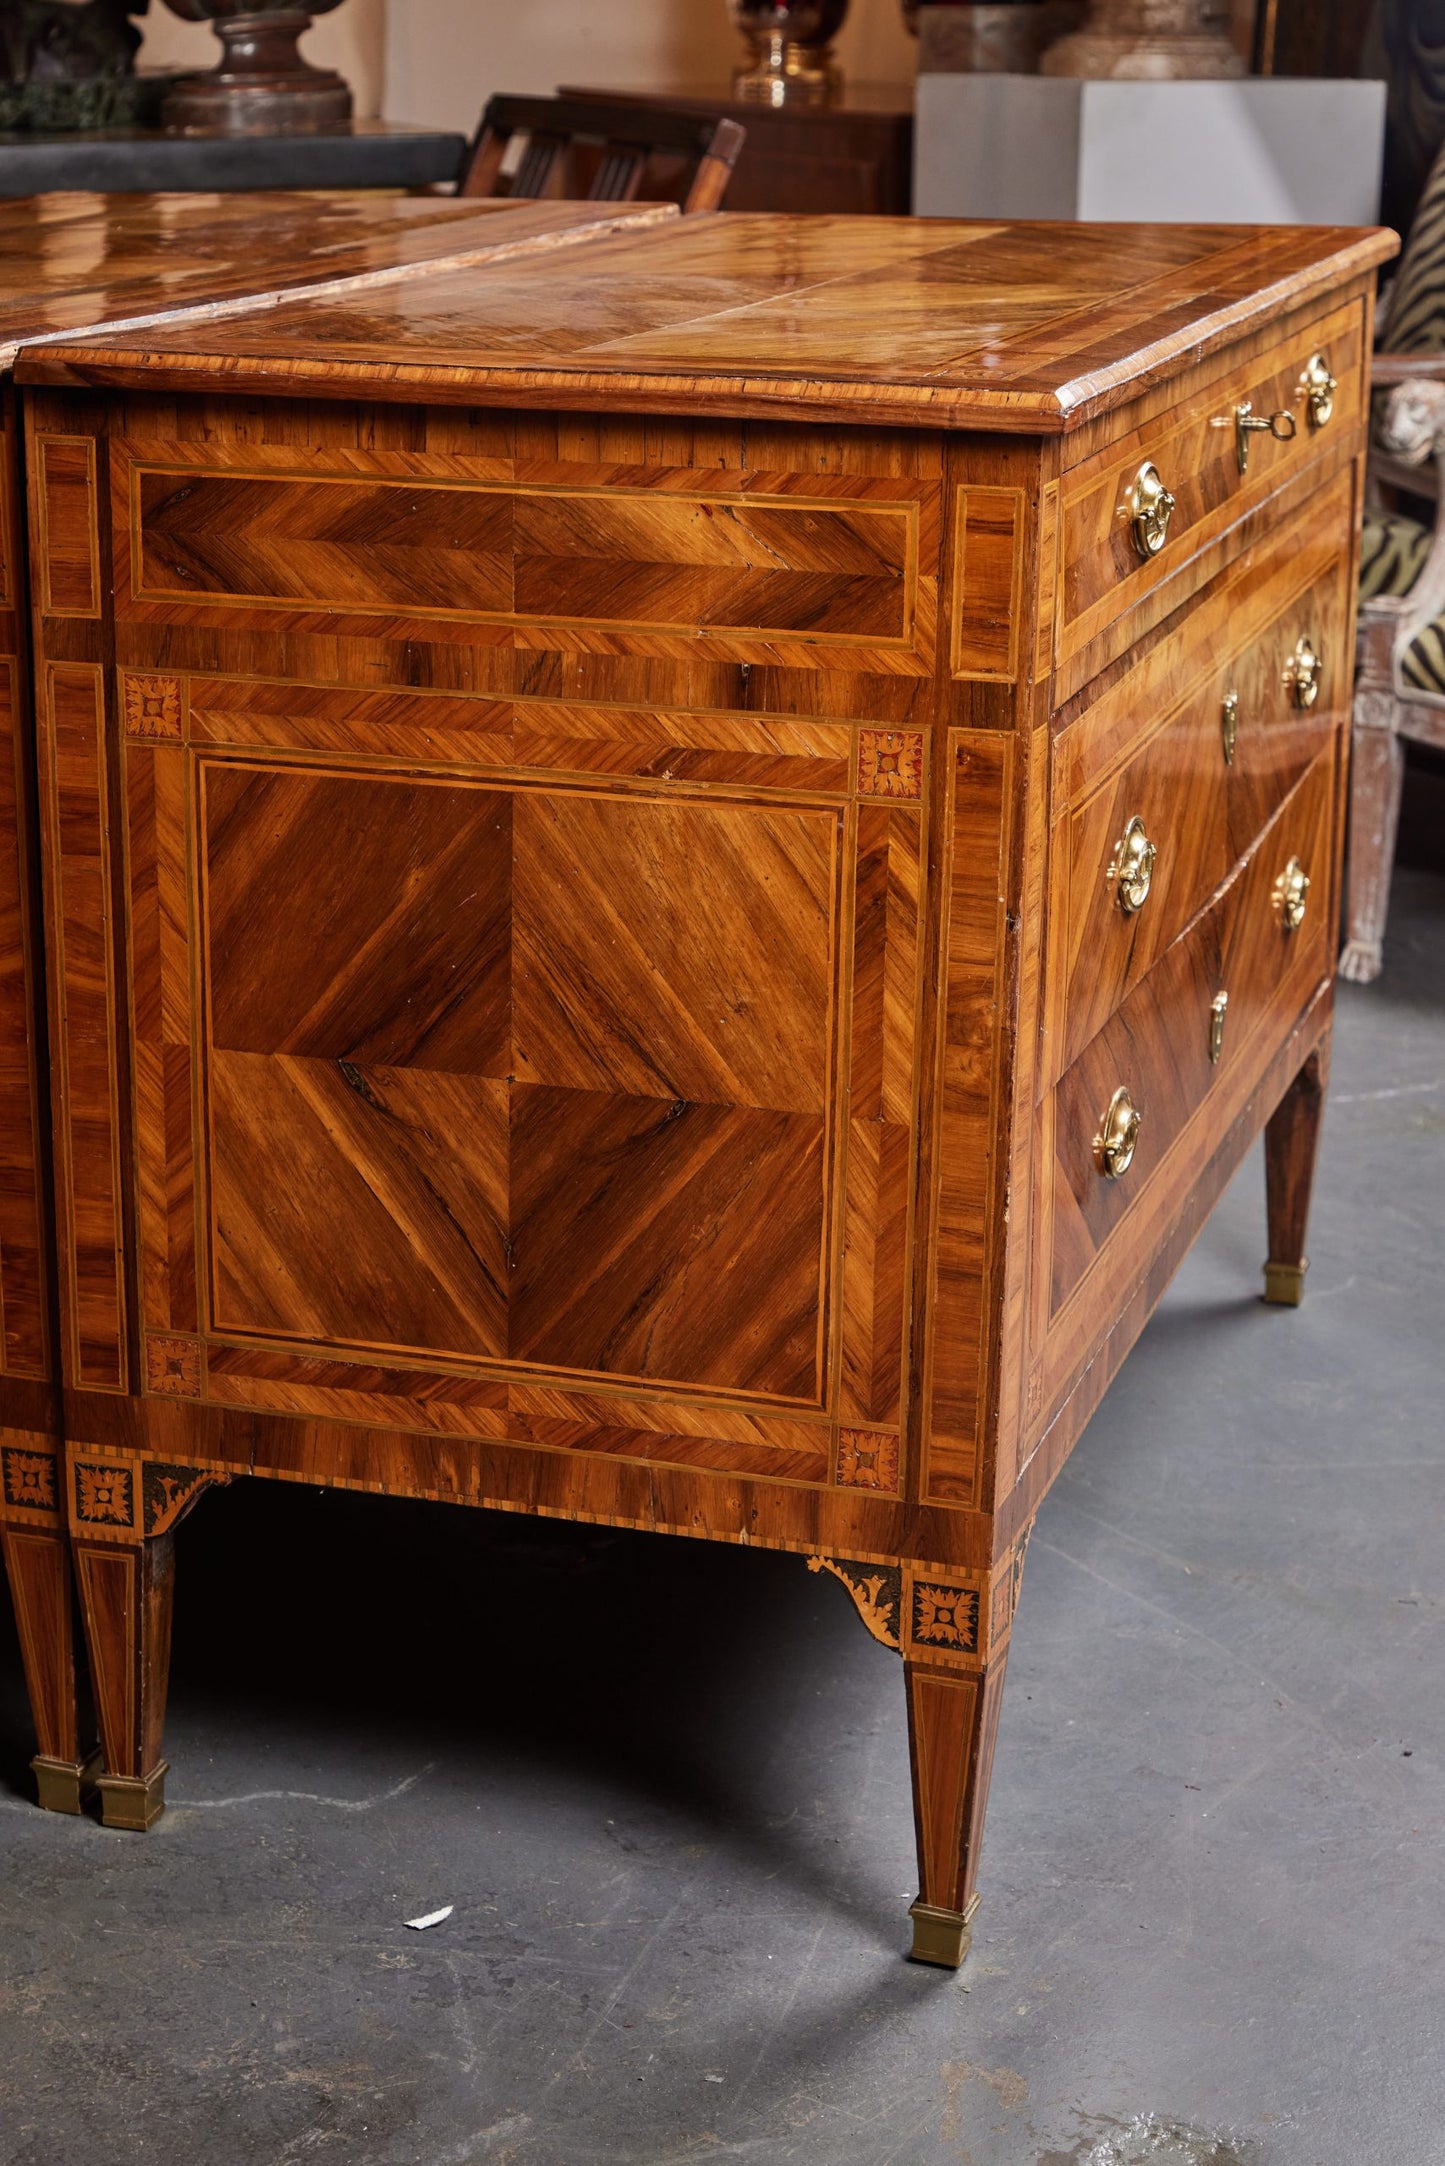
{"x":29,"y":1483}
{"x":104,"y":1494}
{"x":152,"y":706}
{"x":868,"y":1459}
{"x":890,"y":763}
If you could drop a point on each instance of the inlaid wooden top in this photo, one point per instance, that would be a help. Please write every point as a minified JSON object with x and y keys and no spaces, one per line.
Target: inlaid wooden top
{"x":80,"y":262}
{"x":935,"y":322}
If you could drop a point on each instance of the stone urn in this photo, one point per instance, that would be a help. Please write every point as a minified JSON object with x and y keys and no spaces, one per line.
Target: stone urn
{"x":1156,"y":40}
{"x":261,"y":86}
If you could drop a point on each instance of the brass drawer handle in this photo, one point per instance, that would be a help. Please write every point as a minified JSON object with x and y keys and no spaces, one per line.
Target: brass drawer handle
{"x":1218,"y":1009}
{"x":1229,"y":726}
{"x":1291,"y":895}
{"x":1118,"y":1135}
{"x":1303,"y":673}
{"x":1318,"y":387}
{"x":1281,"y":426}
{"x":1151,"y":507}
{"x":1132,"y":868}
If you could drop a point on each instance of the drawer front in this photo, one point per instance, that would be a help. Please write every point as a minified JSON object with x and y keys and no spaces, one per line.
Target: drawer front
{"x":1163,"y":818}
{"x":1116,"y":554}
{"x":1165,"y":1048}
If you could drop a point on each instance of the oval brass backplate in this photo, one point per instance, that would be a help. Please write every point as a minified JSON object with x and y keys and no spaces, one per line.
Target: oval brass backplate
{"x":1118,"y":1136}
{"x":1303,"y":673}
{"x":1132,"y":867}
{"x":1291,"y":895}
{"x":1318,"y":388}
{"x":1151,"y":507}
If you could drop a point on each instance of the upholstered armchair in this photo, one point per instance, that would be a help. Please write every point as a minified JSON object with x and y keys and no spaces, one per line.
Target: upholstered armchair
{"x":1400,"y":678}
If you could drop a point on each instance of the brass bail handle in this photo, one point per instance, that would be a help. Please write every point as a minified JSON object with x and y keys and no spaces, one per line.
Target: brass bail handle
{"x":1118,"y":1136}
{"x":1151,"y":507}
{"x":1132,"y":868}
{"x":1291,"y":895}
{"x":1304,"y":672}
{"x":1281,"y":426}
{"x":1318,"y":387}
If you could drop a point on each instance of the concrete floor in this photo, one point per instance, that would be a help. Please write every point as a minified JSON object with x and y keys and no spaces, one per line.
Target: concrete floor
{"x":665,"y":1786}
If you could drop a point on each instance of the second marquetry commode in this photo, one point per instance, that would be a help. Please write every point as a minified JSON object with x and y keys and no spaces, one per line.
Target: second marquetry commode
{"x":714,"y":853}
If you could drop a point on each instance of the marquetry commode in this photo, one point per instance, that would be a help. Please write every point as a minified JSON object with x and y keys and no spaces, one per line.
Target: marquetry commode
{"x":70,"y":263}
{"x":674,"y":881}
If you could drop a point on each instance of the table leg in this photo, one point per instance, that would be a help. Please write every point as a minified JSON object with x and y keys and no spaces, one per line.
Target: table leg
{"x":952,"y":1725}
{"x":1291,"y":1144}
{"x":125,"y":1601}
{"x":37,"y":1564}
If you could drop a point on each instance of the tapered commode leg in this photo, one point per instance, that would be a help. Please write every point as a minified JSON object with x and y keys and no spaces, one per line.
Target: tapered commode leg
{"x":1291,"y":1144}
{"x":37,"y":1564}
{"x":952,"y":1725}
{"x":125,"y":1600}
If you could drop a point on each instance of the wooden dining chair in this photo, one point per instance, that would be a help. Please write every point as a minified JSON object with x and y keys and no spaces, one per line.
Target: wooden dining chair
{"x":603,"y":152}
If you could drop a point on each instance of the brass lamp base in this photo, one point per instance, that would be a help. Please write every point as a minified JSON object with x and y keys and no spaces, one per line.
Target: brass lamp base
{"x":262,"y":86}
{"x":782,"y":72}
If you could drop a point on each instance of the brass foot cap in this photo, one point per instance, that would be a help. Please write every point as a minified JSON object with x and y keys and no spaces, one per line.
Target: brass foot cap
{"x":133,"y":1802}
{"x":62,"y":1785}
{"x":1284,"y":1284}
{"x":943,"y":1937}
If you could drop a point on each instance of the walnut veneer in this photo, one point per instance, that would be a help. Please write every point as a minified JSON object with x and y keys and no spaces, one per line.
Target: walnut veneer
{"x":598,"y":920}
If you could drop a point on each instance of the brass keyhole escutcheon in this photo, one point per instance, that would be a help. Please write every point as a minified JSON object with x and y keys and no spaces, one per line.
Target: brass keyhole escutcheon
{"x":1218,"y":1009}
{"x":1281,"y":426}
{"x":1151,"y":507}
{"x":1132,"y":869}
{"x":1318,"y":387}
{"x":1118,"y":1136}
{"x":1291,"y":895}
{"x":1303,"y":673}
{"x":1229,"y":726}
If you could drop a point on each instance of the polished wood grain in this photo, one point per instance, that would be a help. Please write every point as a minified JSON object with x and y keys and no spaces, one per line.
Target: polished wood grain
{"x":72,"y":262}
{"x":1034,"y":329}
{"x":604,"y":889}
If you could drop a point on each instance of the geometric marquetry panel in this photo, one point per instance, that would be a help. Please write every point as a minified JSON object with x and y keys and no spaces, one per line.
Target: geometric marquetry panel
{"x":644,"y":559}
{"x":525,"y":1076}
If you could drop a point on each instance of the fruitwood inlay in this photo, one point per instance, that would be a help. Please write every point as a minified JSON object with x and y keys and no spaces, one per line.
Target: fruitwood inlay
{"x":68,"y":542}
{"x":75,"y":778}
{"x":988,"y":567}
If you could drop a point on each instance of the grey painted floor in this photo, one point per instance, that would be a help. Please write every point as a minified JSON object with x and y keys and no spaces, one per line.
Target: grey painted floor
{"x":665,"y":1787}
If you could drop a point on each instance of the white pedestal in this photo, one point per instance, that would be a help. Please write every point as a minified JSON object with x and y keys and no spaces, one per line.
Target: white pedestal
{"x":1265,"y":150}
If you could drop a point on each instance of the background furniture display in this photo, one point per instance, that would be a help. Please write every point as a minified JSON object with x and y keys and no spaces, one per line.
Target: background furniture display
{"x":81,"y":263}
{"x":1400,"y":682}
{"x":854,"y":156}
{"x":716,"y":866}
{"x":1148,"y":40}
{"x":1255,"y":151}
{"x":1006,"y":39}
{"x":261,"y":85}
{"x":147,"y":161}
{"x":603,"y":150}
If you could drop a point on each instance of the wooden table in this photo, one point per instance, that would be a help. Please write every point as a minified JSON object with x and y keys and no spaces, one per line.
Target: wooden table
{"x":727,"y":839}
{"x":81,"y":262}
{"x":855,"y":156}
{"x":129,"y":161}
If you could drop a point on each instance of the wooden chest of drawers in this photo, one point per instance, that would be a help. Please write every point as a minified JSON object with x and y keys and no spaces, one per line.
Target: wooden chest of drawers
{"x":673,"y":884}
{"x":69,"y":263}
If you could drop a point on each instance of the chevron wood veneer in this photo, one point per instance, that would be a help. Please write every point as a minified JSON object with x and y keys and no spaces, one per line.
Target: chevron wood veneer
{"x":584,"y":818}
